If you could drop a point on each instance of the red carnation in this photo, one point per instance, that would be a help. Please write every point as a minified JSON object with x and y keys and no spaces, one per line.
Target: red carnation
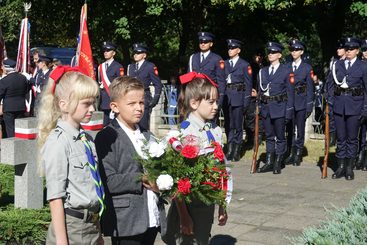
{"x":184,"y":186}
{"x":190,"y":151}
{"x":218,"y":151}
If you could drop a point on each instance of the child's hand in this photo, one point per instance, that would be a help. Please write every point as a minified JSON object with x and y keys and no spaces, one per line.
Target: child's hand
{"x":186,"y":225}
{"x":222,"y":216}
{"x":149,"y":184}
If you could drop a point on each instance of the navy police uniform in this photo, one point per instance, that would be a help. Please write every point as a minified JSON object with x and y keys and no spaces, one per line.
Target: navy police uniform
{"x":147,"y":73}
{"x":210,"y":64}
{"x":276,"y":105}
{"x":361,"y":163}
{"x":107,"y":72}
{"x":349,"y":107}
{"x":40,"y":80}
{"x":301,"y":74}
{"x":238,"y":75}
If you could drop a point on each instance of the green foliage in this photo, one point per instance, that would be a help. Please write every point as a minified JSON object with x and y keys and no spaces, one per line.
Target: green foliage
{"x":360,"y":8}
{"x":122,"y":28}
{"x":24,"y":225}
{"x":345,"y":225}
{"x":6,"y":179}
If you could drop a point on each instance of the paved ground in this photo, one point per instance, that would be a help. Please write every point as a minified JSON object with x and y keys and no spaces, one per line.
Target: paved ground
{"x":267,"y":208}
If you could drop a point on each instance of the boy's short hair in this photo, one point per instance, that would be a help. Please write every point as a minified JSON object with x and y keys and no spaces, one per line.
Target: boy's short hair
{"x":122,"y":85}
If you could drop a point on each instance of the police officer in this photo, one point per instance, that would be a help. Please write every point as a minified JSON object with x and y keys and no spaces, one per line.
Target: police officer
{"x":209,"y":63}
{"x":276,"y":106}
{"x":349,"y":106}
{"x":238,"y":74}
{"x":361,"y":162}
{"x":329,"y":86}
{"x":41,"y":78}
{"x":301,"y":73}
{"x":147,"y":73}
{"x":13,"y":89}
{"x":107,"y":71}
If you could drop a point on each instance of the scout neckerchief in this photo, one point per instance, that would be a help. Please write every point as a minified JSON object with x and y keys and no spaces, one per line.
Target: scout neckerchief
{"x":94,"y":170}
{"x":105,"y":80}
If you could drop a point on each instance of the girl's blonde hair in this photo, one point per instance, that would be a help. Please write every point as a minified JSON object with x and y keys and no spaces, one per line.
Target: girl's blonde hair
{"x":72,"y":86}
{"x":197,"y":89}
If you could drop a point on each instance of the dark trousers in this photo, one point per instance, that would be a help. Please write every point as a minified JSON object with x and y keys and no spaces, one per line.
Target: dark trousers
{"x":296,"y":129}
{"x":347,"y":135}
{"x":145,"y":120}
{"x":275,"y":134}
{"x":147,"y":238}
{"x":233,"y":118}
{"x":9,"y":121}
{"x":362,"y":136}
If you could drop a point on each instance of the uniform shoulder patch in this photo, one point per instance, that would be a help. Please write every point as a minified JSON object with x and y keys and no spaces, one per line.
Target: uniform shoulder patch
{"x":184,"y":124}
{"x":155,"y":70}
{"x":249,"y":70}
{"x":291,"y":78}
{"x":221,"y":64}
{"x":122,"y":71}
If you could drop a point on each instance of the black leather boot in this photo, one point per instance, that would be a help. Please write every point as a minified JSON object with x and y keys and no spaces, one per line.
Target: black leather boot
{"x":340,"y":172}
{"x":236,"y":153}
{"x":297,"y":158}
{"x":349,"y":174}
{"x":229,"y":154}
{"x":291,"y":157}
{"x":364,"y":165}
{"x":361,"y":158}
{"x":277,"y":169}
{"x":268,"y":166}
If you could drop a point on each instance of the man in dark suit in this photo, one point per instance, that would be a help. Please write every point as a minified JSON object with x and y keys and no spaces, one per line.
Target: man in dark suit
{"x":13,"y":90}
{"x":238,"y":74}
{"x":276,"y":106}
{"x":303,"y":101}
{"x":147,"y":73}
{"x":209,"y":63}
{"x":349,"y":106}
{"x":107,"y":71}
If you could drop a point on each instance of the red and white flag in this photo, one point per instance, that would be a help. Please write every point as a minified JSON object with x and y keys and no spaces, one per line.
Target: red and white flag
{"x":84,"y":57}
{"x":23,"y":57}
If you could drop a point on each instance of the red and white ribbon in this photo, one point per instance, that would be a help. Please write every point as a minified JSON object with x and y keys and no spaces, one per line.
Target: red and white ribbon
{"x":93,"y":125}
{"x":105,"y":81}
{"x":176,"y":144}
{"x":26,"y":133}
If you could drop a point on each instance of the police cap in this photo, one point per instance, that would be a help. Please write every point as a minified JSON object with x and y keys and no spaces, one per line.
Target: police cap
{"x":140,"y":48}
{"x":364,"y":45}
{"x":233,"y":43}
{"x":351,"y":42}
{"x":108,"y":46}
{"x":205,"y":36}
{"x":9,"y":63}
{"x":274,"y":47}
{"x":44,"y":58}
{"x":296,"y":45}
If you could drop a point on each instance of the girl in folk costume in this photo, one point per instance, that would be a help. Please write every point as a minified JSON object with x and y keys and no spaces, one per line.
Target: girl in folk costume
{"x":73,"y":183}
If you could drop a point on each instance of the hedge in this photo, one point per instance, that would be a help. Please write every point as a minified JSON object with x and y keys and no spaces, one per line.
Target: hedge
{"x":345,"y":225}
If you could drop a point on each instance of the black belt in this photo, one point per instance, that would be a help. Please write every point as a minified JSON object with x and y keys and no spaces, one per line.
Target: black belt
{"x":355,"y":91}
{"x":236,"y":86}
{"x":300,"y":89}
{"x":92,"y":217}
{"x":279,"y":98}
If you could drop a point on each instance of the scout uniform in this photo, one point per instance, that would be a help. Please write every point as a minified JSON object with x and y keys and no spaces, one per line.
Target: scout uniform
{"x":303,"y":104}
{"x":69,"y":177}
{"x":201,"y":214}
{"x":238,"y":75}
{"x":147,"y":73}
{"x":107,"y":71}
{"x":276,"y":105}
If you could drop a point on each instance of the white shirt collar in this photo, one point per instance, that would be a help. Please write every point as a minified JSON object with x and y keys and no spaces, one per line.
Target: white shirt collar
{"x":275,"y":67}
{"x":296,"y":64}
{"x":109,"y":61}
{"x":351,"y":62}
{"x":205,"y":54}
{"x":235,"y":59}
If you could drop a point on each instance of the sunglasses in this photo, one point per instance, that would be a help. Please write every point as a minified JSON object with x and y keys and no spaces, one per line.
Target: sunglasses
{"x":232,"y":47}
{"x":204,"y":41}
{"x":107,"y":50}
{"x":350,"y":49}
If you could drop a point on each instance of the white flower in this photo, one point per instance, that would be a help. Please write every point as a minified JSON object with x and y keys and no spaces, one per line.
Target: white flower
{"x":156,"y":149}
{"x":164,"y":182}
